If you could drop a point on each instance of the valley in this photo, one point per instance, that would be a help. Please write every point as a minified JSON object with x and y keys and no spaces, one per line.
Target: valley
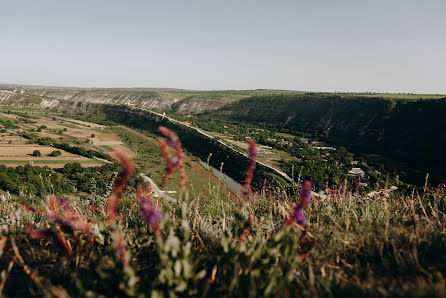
{"x":391,"y":127}
{"x":371,"y":206}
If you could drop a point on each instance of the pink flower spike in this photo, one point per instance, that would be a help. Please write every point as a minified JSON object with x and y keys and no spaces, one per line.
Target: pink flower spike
{"x":121,"y":181}
{"x":174,"y":141}
{"x":251,"y":167}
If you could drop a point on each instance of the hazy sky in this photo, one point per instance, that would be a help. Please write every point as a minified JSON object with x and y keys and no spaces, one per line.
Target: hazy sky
{"x":333,"y":45}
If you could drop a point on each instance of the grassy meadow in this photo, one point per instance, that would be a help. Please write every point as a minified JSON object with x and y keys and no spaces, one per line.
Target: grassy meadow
{"x":209,"y":244}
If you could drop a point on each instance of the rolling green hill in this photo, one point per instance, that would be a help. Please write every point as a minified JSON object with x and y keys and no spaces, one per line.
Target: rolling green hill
{"x":406,"y":130}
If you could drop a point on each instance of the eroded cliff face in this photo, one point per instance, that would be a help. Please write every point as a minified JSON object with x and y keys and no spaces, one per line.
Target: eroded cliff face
{"x":153,"y":100}
{"x":143,"y":99}
{"x":21,"y":100}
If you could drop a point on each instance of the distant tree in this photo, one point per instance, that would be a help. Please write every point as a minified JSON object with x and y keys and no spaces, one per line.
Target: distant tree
{"x":65,"y":129}
{"x":36,"y":153}
{"x":92,"y":135}
{"x":43,"y":126}
{"x":55,"y":153}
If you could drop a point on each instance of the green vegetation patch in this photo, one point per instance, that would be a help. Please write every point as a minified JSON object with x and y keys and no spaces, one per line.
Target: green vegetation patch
{"x":69,"y":125}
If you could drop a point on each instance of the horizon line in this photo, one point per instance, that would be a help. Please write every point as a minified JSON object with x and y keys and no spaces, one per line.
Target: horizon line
{"x":207,"y":90}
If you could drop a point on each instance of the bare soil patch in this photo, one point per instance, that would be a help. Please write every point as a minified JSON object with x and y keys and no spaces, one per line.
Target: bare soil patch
{"x":21,"y":152}
{"x":13,"y":155}
{"x":83,"y":123}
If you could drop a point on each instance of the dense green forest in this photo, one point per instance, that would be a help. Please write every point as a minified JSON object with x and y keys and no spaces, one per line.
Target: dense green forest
{"x":407,"y":131}
{"x":36,"y":182}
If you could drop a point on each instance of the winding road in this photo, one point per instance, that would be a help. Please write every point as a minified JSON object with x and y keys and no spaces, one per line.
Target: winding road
{"x":284,"y":175}
{"x":157,"y":190}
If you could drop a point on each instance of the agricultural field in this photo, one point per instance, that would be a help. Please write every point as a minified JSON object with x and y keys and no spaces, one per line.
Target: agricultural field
{"x":17,"y":150}
{"x":142,"y":148}
{"x":16,"y":154}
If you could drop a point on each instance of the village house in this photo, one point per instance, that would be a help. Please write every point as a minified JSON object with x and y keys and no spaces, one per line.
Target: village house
{"x":357,"y":172}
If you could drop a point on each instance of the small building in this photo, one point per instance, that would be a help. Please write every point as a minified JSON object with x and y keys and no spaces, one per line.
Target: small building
{"x":357,"y":172}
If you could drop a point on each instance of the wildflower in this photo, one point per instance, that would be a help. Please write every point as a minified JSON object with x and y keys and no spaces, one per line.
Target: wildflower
{"x":288,"y":221}
{"x":28,"y":207}
{"x":151,"y":214}
{"x":174,"y":141}
{"x":66,"y":220}
{"x":39,"y":233}
{"x":277,"y":195}
{"x":304,"y":200}
{"x":121,"y":249}
{"x":171,"y":164}
{"x":63,"y":204}
{"x":305,"y":245}
{"x":246,"y":229}
{"x":251,"y":166}
{"x":260,"y":221}
{"x":264,"y":187}
{"x":47,"y":233}
{"x":121,"y":181}
{"x":93,"y":207}
{"x":53,"y":204}
{"x":305,"y":196}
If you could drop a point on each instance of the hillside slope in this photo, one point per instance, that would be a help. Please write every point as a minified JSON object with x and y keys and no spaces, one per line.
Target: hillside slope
{"x":405,"y":130}
{"x":155,"y":99}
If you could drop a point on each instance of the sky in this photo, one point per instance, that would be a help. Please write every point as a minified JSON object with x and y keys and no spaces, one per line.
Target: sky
{"x":358,"y":46}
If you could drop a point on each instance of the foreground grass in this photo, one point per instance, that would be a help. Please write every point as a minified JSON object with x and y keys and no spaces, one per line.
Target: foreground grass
{"x":387,"y":246}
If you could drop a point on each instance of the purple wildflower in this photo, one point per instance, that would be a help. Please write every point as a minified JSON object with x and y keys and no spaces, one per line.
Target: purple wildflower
{"x":299,"y":216}
{"x":174,"y":141}
{"x":121,"y":248}
{"x":151,"y":214}
{"x":305,"y":196}
{"x":251,"y":167}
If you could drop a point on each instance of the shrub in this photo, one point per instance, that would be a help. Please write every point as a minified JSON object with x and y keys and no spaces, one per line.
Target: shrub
{"x":55,"y":153}
{"x":36,"y":153}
